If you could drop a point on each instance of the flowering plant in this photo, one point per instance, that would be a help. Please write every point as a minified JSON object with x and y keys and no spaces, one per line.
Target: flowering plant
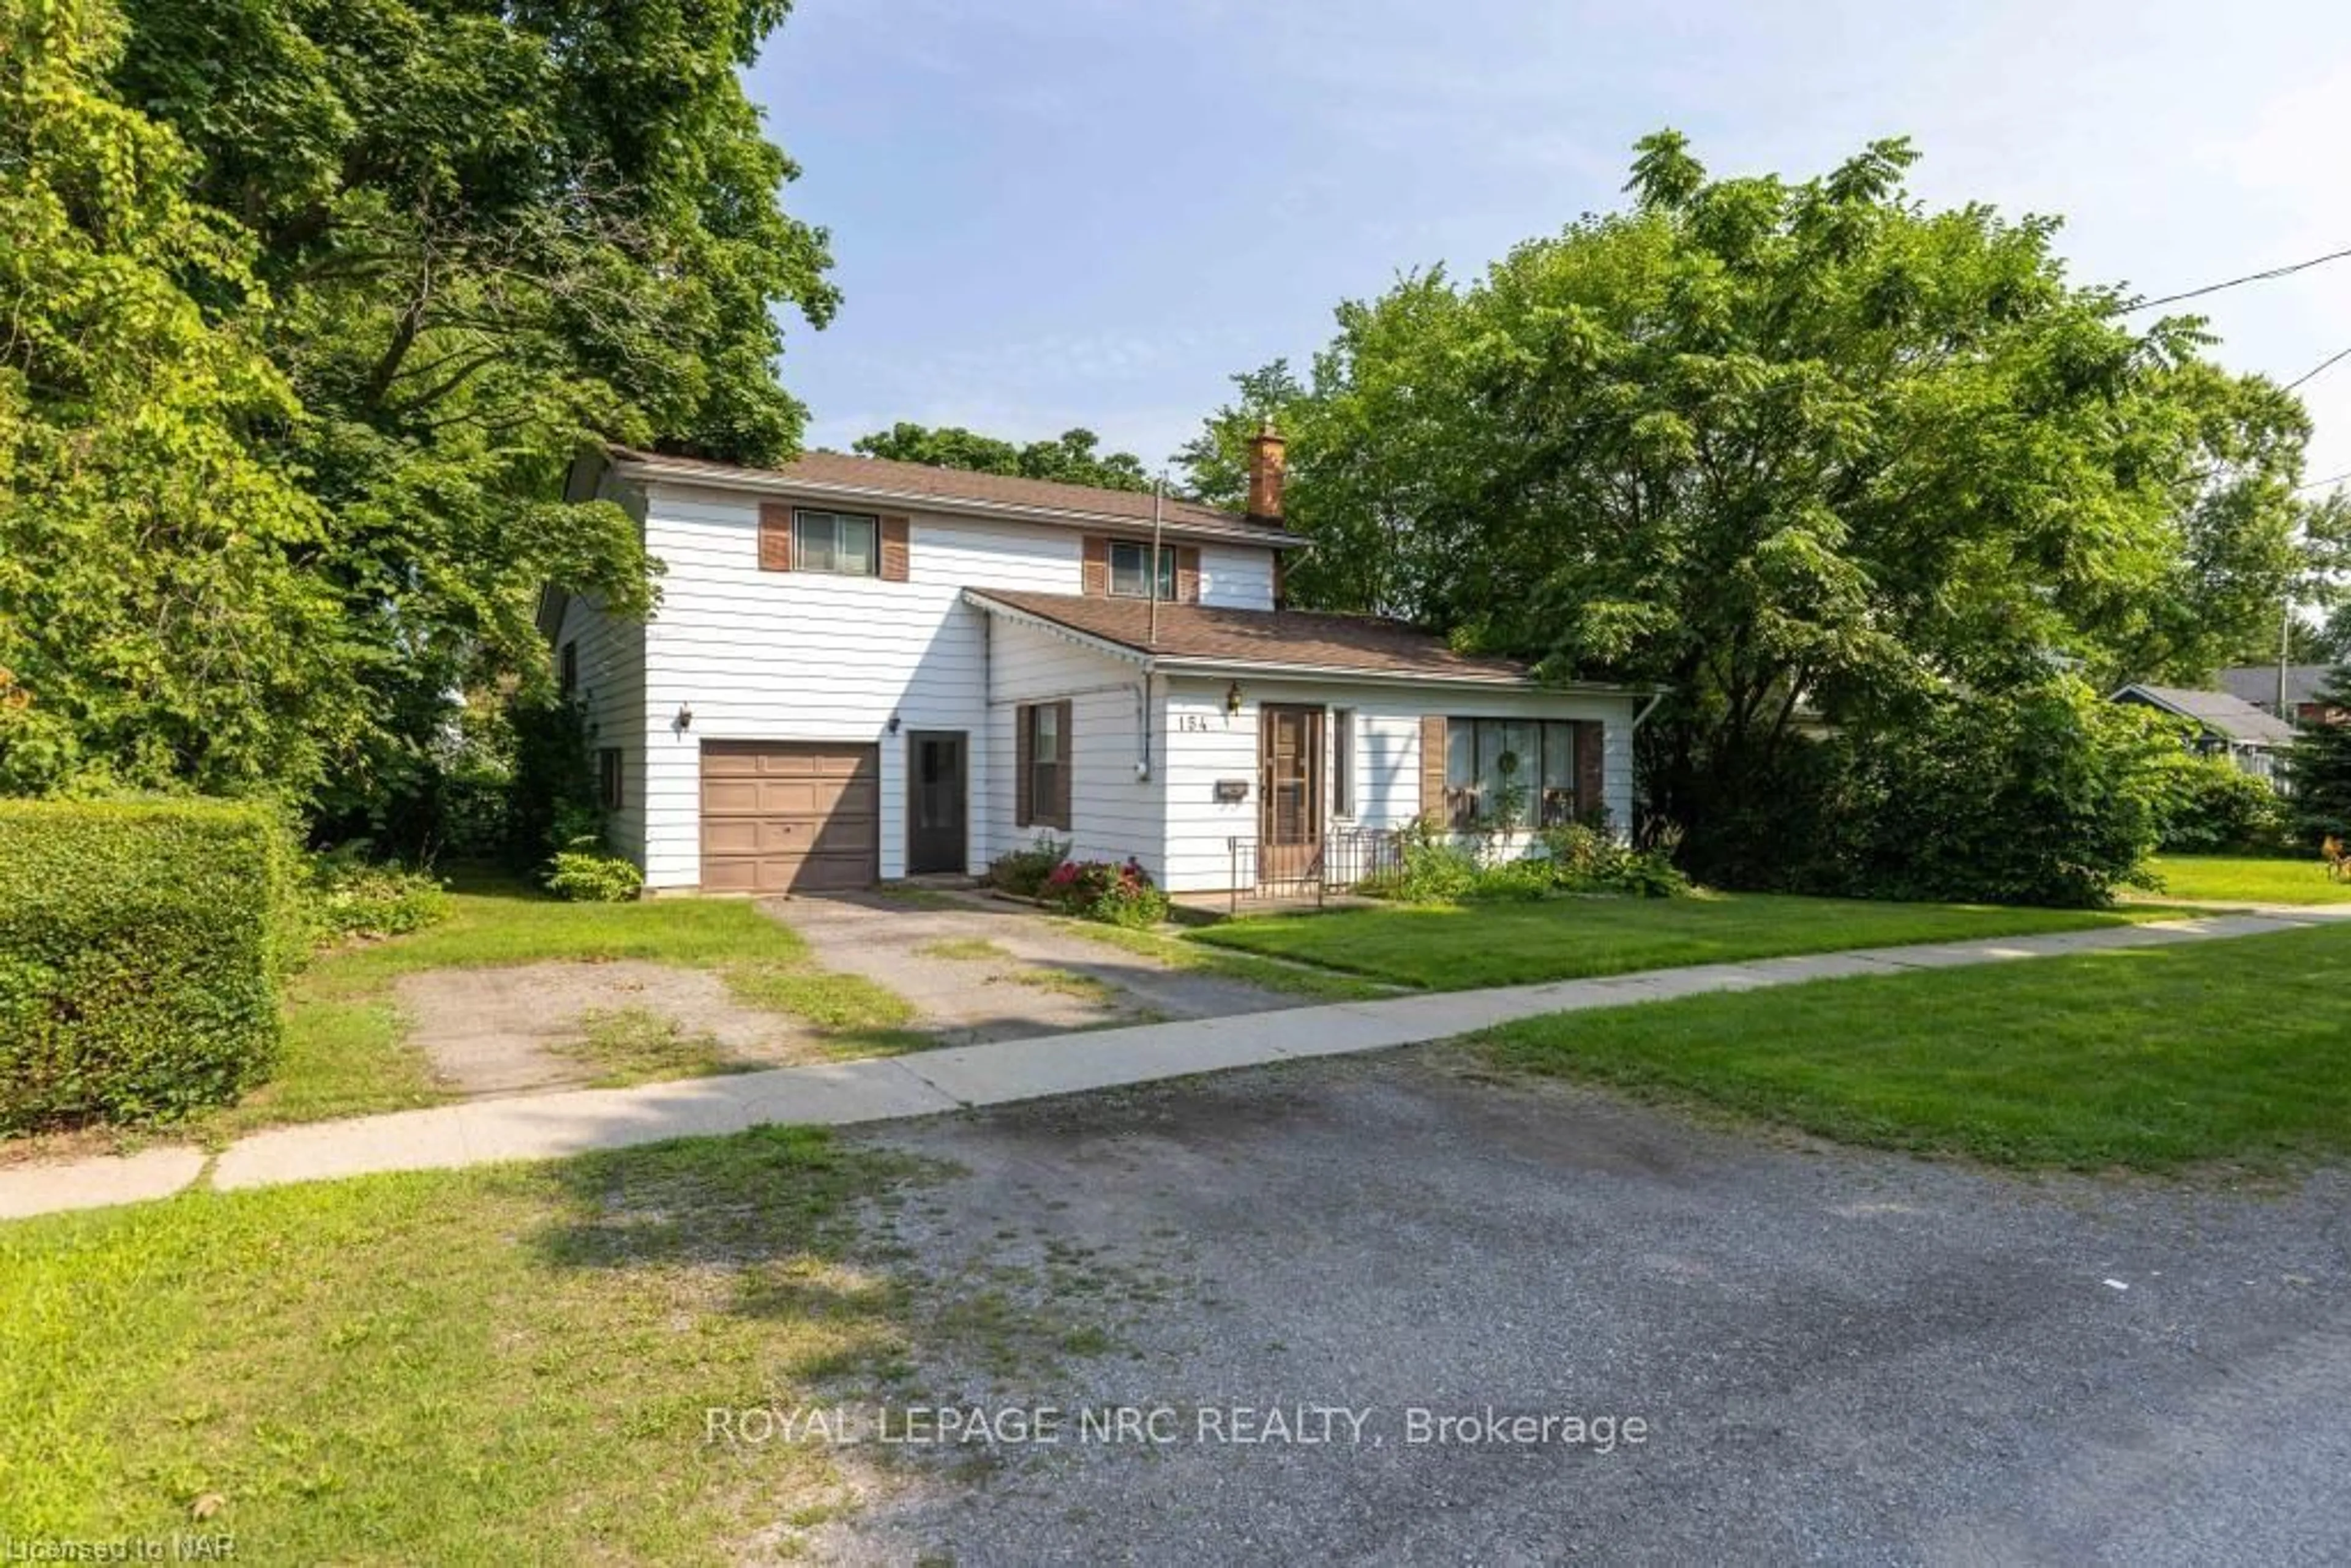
{"x":1105,"y":891}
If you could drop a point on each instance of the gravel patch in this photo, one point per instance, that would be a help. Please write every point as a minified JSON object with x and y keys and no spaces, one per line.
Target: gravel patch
{"x":503,"y":1030}
{"x":1838,"y":1355}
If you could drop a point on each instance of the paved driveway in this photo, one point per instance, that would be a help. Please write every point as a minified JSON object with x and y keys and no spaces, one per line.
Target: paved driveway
{"x":1837,"y":1356}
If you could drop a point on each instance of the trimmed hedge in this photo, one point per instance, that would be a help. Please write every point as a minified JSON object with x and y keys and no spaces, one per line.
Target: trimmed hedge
{"x":142,"y":944}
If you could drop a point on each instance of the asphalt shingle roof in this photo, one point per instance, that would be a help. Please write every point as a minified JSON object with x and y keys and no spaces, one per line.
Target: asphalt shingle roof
{"x":883,"y":477}
{"x":1342,"y":643}
{"x":2257,"y":684}
{"x":2220,"y":713}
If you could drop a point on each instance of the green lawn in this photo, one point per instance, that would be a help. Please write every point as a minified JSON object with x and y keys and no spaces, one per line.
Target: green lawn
{"x":2152,"y":1058}
{"x":2250,"y":879}
{"x":495,"y":1367}
{"x":1249,"y":968}
{"x":1452,"y":948}
{"x":345,"y":1054}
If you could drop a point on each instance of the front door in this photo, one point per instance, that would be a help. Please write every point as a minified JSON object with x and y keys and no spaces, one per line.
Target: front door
{"x":1290,"y":791}
{"x":934,"y":802}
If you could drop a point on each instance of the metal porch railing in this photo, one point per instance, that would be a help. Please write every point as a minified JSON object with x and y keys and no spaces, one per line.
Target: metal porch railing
{"x":1339,"y":862}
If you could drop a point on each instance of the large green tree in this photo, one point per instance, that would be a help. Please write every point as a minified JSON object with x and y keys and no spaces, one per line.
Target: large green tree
{"x":1786,"y":447}
{"x":1074,"y":457}
{"x":489,"y":231}
{"x":2320,"y":767}
{"x":161,"y":623}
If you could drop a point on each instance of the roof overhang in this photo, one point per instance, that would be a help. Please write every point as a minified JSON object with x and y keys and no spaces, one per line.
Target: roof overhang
{"x":1271,"y":668}
{"x":642,"y":465}
{"x":1198,"y":665}
{"x":1052,"y":628}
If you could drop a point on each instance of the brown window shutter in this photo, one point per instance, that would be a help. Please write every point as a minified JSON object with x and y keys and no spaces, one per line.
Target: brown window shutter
{"x":1432,"y":767}
{"x":1280,"y":580}
{"x":775,"y":536}
{"x":1591,"y":772}
{"x":1024,"y":739}
{"x":1187,"y":574}
{"x":1095,"y":578}
{"x":894,"y":550}
{"x":1065,"y":738}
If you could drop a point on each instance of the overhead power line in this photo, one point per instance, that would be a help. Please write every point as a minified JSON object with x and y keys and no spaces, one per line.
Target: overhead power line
{"x":2339,"y":355}
{"x":2235,"y":282}
{"x":2331,"y":479}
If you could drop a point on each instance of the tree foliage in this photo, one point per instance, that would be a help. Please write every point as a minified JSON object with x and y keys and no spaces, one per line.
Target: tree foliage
{"x":445,"y":242}
{"x":1786,"y":450}
{"x":2319,"y":767}
{"x":160,"y":623}
{"x":1072,"y":458}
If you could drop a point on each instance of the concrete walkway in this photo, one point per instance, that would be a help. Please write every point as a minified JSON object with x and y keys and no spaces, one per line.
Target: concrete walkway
{"x":549,"y":1127}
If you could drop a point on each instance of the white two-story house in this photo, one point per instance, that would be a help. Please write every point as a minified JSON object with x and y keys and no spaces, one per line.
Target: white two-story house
{"x":863,"y":670}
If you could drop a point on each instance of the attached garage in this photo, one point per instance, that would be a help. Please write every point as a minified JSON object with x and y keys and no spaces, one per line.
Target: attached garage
{"x":789,"y":816}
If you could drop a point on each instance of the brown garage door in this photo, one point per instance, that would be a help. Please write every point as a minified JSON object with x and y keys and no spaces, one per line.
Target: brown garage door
{"x":785,"y":817}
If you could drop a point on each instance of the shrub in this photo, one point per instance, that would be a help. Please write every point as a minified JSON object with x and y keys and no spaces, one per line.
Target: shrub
{"x":1105,"y":891}
{"x":1435,"y":868}
{"x":2210,"y":804}
{"x":350,"y":895}
{"x":551,"y":800}
{"x":1587,"y":858}
{"x":585,"y":874}
{"x":1023,"y":871}
{"x":1524,"y":880}
{"x":142,"y":944}
{"x":2047,"y":795}
{"x":1431,"y":867}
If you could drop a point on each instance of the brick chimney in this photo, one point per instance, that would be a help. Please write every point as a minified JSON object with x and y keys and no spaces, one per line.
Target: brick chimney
{"x":1264,"y":470}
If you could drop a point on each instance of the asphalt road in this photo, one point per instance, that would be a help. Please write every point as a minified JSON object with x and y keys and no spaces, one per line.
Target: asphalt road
{"x":1834,"y":1356}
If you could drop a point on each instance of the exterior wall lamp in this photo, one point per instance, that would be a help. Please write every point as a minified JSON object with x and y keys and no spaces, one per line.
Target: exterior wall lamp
{"x":685,"y":719}
{"x":1233,"y":700}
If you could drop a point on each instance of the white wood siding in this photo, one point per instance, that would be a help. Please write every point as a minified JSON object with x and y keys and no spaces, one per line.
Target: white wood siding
{"x":764,"y":656}
{"x":1236,"y":576}
{"x":612,"y":657}
{"x":1114,"y":813}
{"x":806,"y":656}
{"x":1202,"y":744}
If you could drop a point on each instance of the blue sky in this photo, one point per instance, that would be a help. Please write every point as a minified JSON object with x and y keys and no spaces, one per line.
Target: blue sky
{"x":1085,"y":212}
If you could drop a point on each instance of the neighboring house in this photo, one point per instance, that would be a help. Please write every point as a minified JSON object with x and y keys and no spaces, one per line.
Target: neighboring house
{"x":2225,"y":726}
{"x":861,"y":670}
{"x":2258,"y":684}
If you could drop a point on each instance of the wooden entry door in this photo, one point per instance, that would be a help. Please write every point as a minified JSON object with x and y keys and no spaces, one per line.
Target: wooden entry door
{"x":1290,"y":791}
{"x":936,"y":798}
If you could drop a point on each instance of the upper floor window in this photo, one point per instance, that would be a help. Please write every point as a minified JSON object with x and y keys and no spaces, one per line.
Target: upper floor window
{"x":839,"y":542}
{"x":1130,"y":571}
{"x":569,"y":674}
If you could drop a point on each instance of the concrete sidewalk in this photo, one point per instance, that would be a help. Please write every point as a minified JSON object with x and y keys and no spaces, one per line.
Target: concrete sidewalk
{"x":549,"y":1127}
